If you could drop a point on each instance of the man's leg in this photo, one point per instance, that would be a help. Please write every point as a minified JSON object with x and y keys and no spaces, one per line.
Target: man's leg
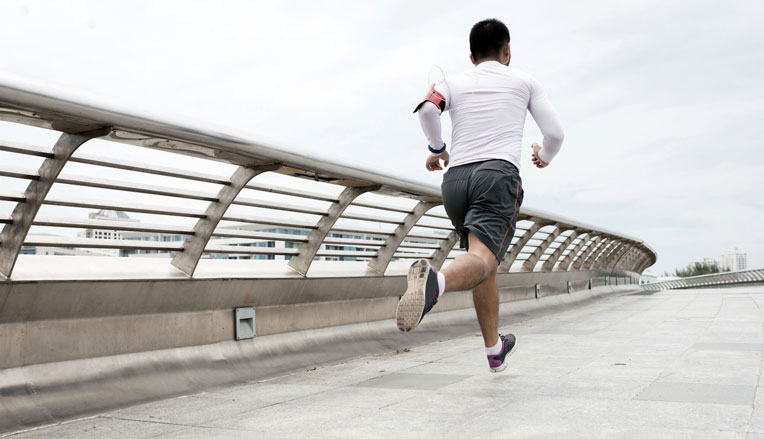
{"x":485,"y":296}
{"x":476,"y":270}
{"x":470,"y":269}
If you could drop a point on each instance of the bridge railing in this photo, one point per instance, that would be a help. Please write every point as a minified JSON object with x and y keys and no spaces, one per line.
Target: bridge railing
{"x":742,"y":277}
{"x":130,"y":242}
{"x":204,"y":195}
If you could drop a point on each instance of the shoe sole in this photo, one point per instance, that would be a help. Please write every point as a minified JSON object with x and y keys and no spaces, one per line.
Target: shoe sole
{"x":410,"y":307}
{"x":504,"y":364}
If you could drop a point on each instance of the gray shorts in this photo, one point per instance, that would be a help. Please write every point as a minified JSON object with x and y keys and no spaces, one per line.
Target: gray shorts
{"x":484,"y":198}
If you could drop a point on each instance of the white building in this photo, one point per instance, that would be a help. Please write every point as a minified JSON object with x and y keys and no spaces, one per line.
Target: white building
{"x":734,"y":260}
{"x":710,"y":262}
{"x":105,"y":233}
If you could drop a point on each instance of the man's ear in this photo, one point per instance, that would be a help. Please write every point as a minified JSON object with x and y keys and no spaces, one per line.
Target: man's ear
{"x":472,"y":59}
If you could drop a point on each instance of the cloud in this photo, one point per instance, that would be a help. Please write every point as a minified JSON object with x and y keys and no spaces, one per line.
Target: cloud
{"x":662,"y":101}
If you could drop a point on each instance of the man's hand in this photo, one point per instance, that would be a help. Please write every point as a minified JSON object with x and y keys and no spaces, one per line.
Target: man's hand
{"x":433,"y":161}
{"x":536,"y":160}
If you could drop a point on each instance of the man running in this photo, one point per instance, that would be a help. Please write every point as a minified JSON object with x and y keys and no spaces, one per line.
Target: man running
{"x":482,"y":190}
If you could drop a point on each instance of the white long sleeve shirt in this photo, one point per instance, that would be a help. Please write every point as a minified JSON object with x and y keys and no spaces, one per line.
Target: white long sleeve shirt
{"x":487,"y":105}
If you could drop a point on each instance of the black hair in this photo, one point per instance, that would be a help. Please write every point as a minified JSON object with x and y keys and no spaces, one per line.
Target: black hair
{"x":487,"y":38}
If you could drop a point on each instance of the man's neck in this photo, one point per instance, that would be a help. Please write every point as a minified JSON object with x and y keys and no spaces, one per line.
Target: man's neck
{"x":482,"y":60}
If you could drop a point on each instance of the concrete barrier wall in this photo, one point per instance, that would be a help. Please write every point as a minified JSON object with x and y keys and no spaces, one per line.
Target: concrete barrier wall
{"x":53,"y":321}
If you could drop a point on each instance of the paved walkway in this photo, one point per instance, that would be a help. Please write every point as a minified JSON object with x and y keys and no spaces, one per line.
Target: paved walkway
{"x":673,"y":364}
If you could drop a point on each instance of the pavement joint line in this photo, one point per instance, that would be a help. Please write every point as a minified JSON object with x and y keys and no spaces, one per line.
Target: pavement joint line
{"x":758,"y":381}
{"x":149,"y":421}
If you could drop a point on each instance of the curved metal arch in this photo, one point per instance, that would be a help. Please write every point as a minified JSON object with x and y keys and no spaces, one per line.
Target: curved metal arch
{"x":530,"y":263}
{"x":626,"y":262}
{"x":308,"y":250}
{"x":605,"y":254}
{"x":601,"y":249}
{"x":14,"y":233}
{"x":193,"y":247}
{"x":517,"y":247}
{"x":644,"y":263}
{"x":581,"y":259}
{"x":439,"y":256}
{"x":638,"y":258}
{"x":613,"y":258}
{"x":647,"y":262}
{"x":548,"y":265}
{"x":385,"y":254}
{"x":568,"y":259}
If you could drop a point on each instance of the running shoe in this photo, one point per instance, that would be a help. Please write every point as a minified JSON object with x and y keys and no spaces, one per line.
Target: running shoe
{"x":498,"y":362}
{"x":421,"y":295}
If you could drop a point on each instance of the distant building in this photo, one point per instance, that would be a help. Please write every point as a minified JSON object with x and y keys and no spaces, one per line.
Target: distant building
{"x":105,"y":233}
{"x":53,"y":251}
{"x":734,"y":260}
{"x":101,"y":230}
{"x":288,"y":244}
{"x":710,"y":262}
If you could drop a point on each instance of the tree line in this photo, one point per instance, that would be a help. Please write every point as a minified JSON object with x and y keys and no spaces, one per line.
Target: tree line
{"x":697,"y":269}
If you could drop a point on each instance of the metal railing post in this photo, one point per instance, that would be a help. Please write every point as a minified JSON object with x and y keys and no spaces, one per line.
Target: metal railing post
{"x":439,"y":255}
{"x":193,"y":247}
{"x":548,"y":265}
{"x":530,"y":263}
{"x":593,"y":243}
{"x":517,"y":247}
{"x":568,"y":259}
{"x":385,"y":254}
{"x":301,"y":262}
{"x":14,"y":233}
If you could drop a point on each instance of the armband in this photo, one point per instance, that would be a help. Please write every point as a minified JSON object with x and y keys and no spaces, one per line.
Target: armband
{"x":435,"y":97}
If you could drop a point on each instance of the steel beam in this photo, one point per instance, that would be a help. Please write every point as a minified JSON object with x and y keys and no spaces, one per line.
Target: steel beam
{"x":193,"y":247}
{"x":14,"y":233}
{"x":304,"y":258}
{"x":380,"y":262}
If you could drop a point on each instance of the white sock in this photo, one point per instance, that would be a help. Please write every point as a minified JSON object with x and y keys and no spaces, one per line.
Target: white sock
{"x":441,"y":284}
{"x":496,"y":350}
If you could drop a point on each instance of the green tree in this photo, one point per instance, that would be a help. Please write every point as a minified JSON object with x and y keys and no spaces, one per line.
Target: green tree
{"x":697,"y":269}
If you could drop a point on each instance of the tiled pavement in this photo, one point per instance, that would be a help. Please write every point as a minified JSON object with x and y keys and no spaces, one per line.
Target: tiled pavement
{"x":673,"y":364}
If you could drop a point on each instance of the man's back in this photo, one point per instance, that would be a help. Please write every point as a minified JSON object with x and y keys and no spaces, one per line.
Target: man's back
{"x":487,"y":105}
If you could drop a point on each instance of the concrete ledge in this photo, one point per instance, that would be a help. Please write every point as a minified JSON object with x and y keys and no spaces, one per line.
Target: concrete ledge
{"x":51,"y":392}
{"x":51,"y":321}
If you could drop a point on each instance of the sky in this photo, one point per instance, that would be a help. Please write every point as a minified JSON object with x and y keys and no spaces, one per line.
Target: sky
{"x":662,"y":101}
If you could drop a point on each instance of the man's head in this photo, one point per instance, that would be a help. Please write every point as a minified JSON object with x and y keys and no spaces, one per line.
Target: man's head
{"x":489,"y":41}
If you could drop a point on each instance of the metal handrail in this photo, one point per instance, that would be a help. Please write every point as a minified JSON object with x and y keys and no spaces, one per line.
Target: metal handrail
{"x":710,"y":280}
{"x":81,"y":119}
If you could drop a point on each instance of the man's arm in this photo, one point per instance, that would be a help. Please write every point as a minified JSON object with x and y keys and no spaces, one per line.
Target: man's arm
{"x":429,"y":111}
{"x":548,"y":122}
{"x":429,"y":118}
